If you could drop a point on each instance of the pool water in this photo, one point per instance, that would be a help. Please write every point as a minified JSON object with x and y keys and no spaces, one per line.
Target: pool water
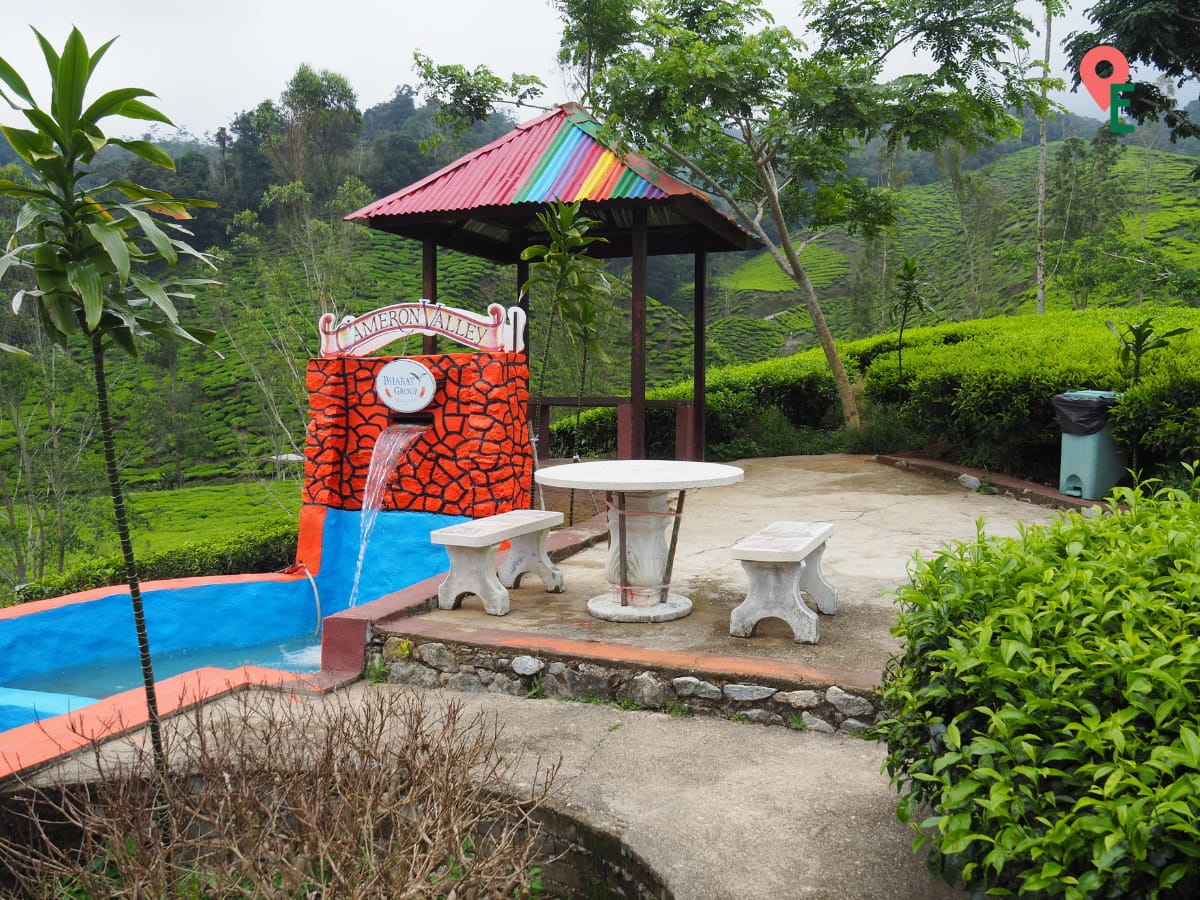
{"x":57,"y":656}
{"x":103,"y":678}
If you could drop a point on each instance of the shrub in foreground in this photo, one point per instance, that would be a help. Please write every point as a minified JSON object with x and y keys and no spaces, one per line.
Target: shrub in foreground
{"x":386,"y":796}
{"x":1043,"y":723}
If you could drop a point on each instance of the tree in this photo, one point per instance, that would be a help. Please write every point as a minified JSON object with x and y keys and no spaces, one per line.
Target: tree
{"x":103,"y":264}
{"x":715,"y":91}
{"x":982,"y":209}
{"x":1163,"y":34}
{"x":576,"y":286}
{"x":911,"y":285}
{"x":1051,"y":8}
{"x":390,"y":116}
{"x":318,"y":121}
{"x":1084,"y":209}
{"x":252,"y":172}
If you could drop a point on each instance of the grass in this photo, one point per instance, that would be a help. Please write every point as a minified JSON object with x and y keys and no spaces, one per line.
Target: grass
{"x":761,"y":273}
{"x":166,"y":520}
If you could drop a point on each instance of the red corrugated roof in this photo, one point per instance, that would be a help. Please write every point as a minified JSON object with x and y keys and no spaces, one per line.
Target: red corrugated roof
{"x":557,"y":156}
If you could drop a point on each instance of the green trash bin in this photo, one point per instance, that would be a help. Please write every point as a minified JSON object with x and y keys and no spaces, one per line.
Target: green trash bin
{"x":1091,"y":463}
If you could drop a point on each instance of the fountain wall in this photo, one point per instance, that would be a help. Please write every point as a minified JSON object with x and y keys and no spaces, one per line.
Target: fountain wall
{"x":475,"y":459}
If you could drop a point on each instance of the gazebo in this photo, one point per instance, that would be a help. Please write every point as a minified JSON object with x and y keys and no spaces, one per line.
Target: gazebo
{"x":486,"y":204}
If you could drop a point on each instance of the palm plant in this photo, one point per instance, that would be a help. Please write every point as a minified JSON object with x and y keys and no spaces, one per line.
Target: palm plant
{"x":1136,"y":339}
{"x":575,"y":282}
{"x":910,"y":287}
{"x":95,"y":251}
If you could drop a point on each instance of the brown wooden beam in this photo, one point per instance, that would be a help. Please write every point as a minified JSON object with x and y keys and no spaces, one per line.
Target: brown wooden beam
{"x":429,"y":289}
{"x":637,"y":366}
{"x":699,"y":344}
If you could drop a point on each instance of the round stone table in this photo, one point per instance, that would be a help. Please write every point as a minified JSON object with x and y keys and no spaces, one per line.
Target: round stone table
{"x":640,"y":557}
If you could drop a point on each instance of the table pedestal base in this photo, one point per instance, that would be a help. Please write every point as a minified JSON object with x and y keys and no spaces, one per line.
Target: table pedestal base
{"x":608,"y":607}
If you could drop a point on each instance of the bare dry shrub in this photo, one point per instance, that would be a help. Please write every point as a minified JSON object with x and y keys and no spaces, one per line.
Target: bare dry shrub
{"x":390,"y":796}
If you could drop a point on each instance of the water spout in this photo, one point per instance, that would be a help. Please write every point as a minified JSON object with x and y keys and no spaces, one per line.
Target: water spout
{"x":392,"y":441}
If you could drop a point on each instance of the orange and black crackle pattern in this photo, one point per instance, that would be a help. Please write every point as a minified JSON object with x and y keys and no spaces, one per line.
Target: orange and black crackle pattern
{"x":475,"y":461}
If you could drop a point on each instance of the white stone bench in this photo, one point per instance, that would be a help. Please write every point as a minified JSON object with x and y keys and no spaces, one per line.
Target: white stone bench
{"x":781,"y":561}
{"x":472,"y":549}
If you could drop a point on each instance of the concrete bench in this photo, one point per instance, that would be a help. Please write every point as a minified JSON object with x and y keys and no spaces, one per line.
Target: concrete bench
{"x":781,"y":561}
{"x":472,"y":549}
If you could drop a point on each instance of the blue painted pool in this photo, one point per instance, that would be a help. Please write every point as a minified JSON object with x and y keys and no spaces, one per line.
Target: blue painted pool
{"x":55,"y":660}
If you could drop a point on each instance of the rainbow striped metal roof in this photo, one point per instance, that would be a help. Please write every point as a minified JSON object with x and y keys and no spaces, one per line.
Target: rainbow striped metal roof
{"x":557,"y":156}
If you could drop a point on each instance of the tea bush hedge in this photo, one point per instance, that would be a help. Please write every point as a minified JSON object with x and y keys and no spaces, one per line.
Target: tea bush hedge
{"x":751,"y":410}
{"x":267,"y":549}
{"x":978,"y":393}
{"x":1043,"y":719}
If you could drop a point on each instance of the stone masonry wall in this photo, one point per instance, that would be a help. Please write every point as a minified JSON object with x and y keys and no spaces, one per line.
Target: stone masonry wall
{"x":826,"y":708}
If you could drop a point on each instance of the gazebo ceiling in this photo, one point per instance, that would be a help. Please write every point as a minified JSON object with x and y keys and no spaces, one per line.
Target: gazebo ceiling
{"x":486,"y":203}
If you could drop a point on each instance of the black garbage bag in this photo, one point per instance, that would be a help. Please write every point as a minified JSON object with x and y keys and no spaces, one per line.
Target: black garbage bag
{"x":1083,"y":412}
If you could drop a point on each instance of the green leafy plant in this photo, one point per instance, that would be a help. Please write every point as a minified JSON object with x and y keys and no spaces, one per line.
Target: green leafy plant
{"x":1041,"y":719}
{"x":104,"y":266}
{"x":1137,"y":340}
{"x":678,"y":708}
{"x":577,"y":287}
{"x":536,"y":888}
{"x":910,"y":289}
{"x":268,"y":548}
{"x":795,"y":721}
{"x":376,"y":671}
{"x":536,"y":691}
{"x":739,"y":717}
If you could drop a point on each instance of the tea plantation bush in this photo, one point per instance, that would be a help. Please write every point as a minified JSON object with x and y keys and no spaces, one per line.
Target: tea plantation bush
{"x":979,"y":393}
{"x":752,"y":410}
{"x":1043,"y":720}
{"x":266,"y":549}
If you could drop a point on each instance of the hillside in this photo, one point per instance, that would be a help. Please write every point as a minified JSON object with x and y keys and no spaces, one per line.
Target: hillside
{"x":974,"y":238}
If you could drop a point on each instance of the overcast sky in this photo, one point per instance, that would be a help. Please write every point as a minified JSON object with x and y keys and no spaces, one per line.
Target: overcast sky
{"x":210,"y":60}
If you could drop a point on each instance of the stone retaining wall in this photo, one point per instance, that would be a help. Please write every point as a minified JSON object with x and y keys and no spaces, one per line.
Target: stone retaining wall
{"x":460,"y":667}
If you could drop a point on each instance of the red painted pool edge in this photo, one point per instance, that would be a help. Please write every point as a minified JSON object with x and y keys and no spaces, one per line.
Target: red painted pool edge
{"x":31,"y":746}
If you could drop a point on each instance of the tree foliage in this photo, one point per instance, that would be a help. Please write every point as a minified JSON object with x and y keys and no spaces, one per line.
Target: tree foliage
{"x":315,"y":129}
{"x":721,"y":94}
{"x":1162,"y":34}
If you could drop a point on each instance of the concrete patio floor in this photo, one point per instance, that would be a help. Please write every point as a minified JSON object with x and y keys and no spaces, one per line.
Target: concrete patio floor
{"x":881,"y":514}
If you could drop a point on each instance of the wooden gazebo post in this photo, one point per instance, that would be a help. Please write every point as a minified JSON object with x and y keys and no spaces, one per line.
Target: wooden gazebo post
{"x":429,"y":289}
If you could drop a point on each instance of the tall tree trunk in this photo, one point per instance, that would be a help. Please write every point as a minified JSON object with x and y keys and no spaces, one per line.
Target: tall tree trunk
{"x":850,"y":417}
{"x":131,"y":577}
{"x":1041,"y":180}
{"x":789,"y":260}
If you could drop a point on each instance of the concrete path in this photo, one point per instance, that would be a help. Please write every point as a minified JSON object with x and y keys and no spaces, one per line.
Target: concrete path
{"x":722,"y":810}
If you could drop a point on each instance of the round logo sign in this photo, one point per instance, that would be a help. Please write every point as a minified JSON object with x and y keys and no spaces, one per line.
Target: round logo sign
{"x":405,"y":385}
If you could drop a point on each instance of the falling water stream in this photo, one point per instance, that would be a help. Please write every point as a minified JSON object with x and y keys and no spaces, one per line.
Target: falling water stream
{"x":393,"y":441}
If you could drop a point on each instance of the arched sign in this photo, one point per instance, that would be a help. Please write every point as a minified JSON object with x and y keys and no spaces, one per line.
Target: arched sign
{"x":500,"y":329}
